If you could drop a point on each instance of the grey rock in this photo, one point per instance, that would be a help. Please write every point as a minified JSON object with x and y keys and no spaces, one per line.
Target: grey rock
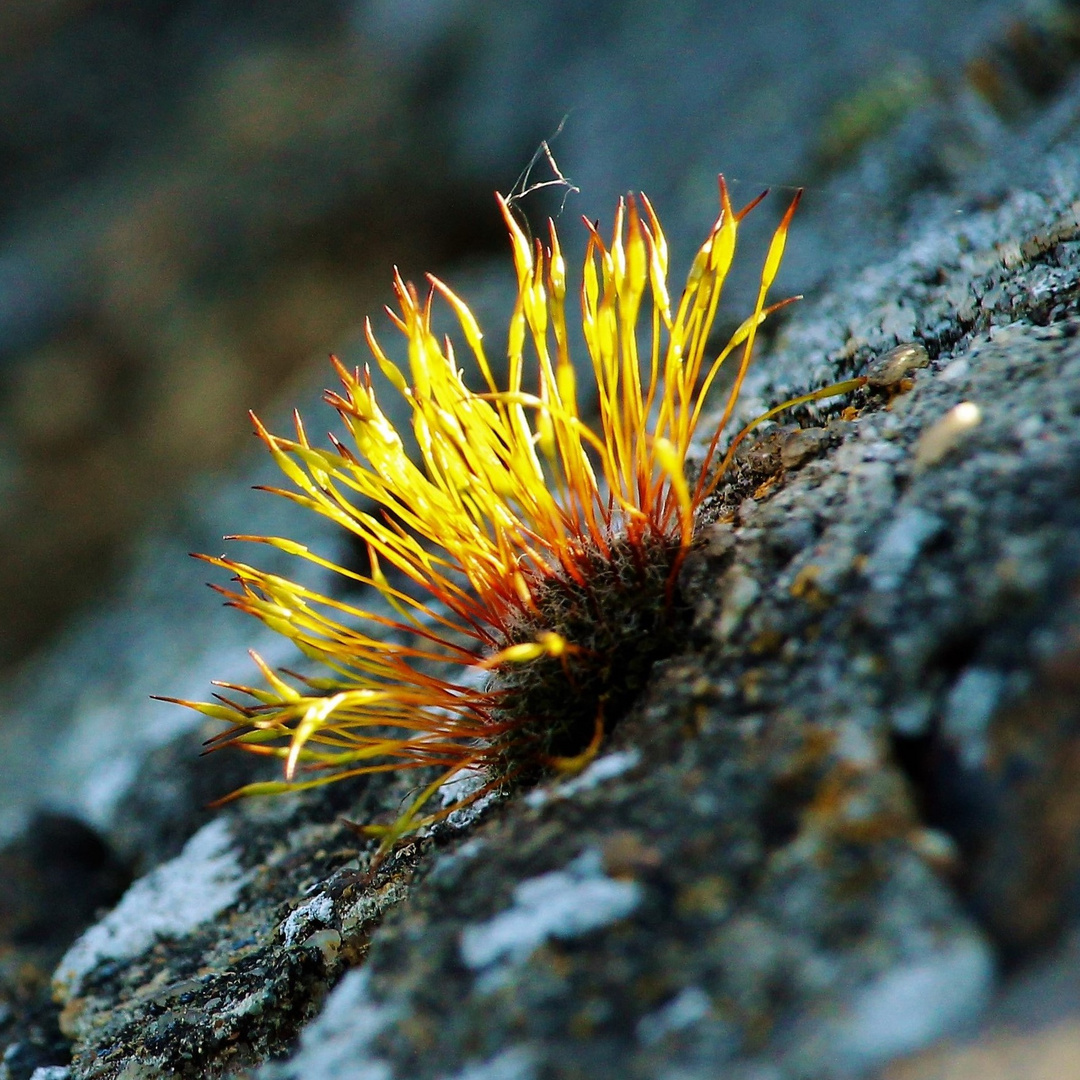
{"x":753,"y":891}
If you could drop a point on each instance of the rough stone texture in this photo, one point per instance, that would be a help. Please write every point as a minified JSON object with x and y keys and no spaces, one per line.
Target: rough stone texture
{"x":833,"y":829}
{"x":201,"y":991}
{"x":830,"y":815}
{"x":244,"y":212}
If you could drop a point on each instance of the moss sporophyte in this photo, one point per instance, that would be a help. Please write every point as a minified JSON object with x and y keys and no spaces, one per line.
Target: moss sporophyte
{"x":535,"y":556}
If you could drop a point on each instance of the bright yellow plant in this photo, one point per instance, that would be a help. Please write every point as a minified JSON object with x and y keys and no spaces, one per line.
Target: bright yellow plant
{"x":527,"y":560}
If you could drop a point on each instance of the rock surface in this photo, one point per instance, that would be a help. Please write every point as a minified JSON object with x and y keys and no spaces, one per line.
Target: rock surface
{"x":831,"y":832}
{"x":803,"y":860}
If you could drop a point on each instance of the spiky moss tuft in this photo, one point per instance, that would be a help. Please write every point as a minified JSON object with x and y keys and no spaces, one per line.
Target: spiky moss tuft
{"x":534,"y":555}
{"x":626,"y":615}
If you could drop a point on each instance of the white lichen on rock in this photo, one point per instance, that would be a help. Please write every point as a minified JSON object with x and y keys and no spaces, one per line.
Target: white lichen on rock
{"x":170,"y":901}
{"x":913,"y":1004}
{"x":562,"y":904}
{"x":513,"y":1063}
{"x":335,"y":1046}
{"x":602,"y":769}
{"x":303,"y":920}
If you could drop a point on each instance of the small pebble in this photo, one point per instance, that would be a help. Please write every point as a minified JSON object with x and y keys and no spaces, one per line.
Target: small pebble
{"x":888,"y":371}
{"x":802,"y":445}
{"x":946,"y":434}
{"x":955,"y":371}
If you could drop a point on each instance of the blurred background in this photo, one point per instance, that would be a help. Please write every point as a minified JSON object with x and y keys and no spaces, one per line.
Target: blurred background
{"x":200,"y":198}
